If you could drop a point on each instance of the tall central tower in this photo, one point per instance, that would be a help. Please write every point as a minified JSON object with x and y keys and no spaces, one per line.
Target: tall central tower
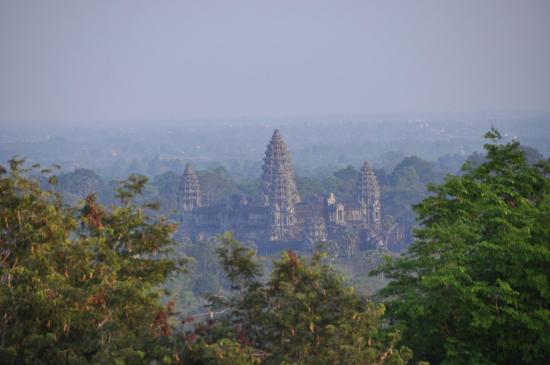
{"x":368,"y":195}
{"x":279,"y":190}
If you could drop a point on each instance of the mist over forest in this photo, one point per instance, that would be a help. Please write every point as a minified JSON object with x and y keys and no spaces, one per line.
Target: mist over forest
{"x":318,"y":145}
{"x":274,"y":182}
{"x":326,"y":153}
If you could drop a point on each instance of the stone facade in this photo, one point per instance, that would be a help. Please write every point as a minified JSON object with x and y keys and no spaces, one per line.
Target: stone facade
{"x":190,"y":196}
{"x":368,"y":197}
{"x":278,"y":218}
{"x":279,"y":191}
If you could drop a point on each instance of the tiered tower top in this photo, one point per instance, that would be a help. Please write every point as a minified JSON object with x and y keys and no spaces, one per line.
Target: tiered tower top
{"x":190,"y":196}
{"x":279,"y":187}
{"x":368,"y":190}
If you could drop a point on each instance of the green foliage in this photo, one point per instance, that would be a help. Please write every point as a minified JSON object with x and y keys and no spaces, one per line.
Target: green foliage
{"x":251,"y":187}
{"x":216,"y":184}
{"x":78,"y":184}
{"x":309,"y":187}
{"x":207,"y":273}
{"x":346,"y":247}
{"x":203,"y":276}
{"x":474,"y":286}
{"x":222,"y":352}
{"x":303,"y":314}
{"x":237,"y":261}
{"x":341,"y":182}
{"x":532,"y":155}
{"x":407,"y":187}
{"x":168,"y":185}
{"x":414,"y":173}
{"x":80,"y":287}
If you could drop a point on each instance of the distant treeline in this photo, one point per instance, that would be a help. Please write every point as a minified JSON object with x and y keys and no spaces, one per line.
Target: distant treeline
{"x":91,"y":284}
{"x":318,"y":146}
{"x":401,"y":187}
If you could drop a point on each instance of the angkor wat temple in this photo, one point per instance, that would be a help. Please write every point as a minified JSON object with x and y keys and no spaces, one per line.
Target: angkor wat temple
{"x":278,"y":219}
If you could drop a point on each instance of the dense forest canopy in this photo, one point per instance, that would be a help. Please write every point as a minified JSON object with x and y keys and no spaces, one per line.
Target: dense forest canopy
{"x":80,"y":284}
{"x":83,"y":285}
{"x":474,"y":285}
{"x":274,"y":182}
{"x":102,"y":279}
{"x":403,"y":186}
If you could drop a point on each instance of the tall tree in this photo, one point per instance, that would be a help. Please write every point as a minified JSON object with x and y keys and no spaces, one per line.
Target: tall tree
{"x":474,"y":287}
{"x":80,"y":287}
{"x":350,"y":239}
{"x":304,"y":314}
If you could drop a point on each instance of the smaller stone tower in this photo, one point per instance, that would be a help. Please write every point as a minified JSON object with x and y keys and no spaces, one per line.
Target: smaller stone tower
{"x":368,"y":195}
{"x":189,"y":195}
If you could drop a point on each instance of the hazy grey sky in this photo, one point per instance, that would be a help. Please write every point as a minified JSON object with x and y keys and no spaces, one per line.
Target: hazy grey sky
{"x":147,"y":60}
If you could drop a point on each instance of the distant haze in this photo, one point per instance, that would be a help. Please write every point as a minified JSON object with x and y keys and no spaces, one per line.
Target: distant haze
{"x":82,"y":61}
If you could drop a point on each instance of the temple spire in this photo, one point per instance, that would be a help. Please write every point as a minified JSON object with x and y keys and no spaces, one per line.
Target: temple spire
{"x":279,"y":189}
{"x":368,"y":195}
{"x":190,"y":193}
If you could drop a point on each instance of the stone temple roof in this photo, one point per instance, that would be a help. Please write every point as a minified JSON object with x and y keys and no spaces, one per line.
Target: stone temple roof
{"x":368,"y":189}
{"x":190,"y":196}
{"x":279,"y":186}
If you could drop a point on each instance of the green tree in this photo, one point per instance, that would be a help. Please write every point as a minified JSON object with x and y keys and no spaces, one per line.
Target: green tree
{"x":304,"y":314}
{"x":532,"y":155}
{"x":413,"y":170}
{"x":168,"y":185}
{"x":350,"y":241}
{"x":216,"y":184}
{"x":474,"y":286}
{"x":81,"y":183}
{"x":203,"y":275}
{"x":81,"y":286}
{"x":342,"y":183}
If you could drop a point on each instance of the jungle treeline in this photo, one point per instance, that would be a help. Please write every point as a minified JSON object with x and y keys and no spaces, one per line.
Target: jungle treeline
{"x":83,"y":282}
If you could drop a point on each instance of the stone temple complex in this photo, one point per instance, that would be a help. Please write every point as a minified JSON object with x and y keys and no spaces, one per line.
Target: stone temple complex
{"x":278,"y":219}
